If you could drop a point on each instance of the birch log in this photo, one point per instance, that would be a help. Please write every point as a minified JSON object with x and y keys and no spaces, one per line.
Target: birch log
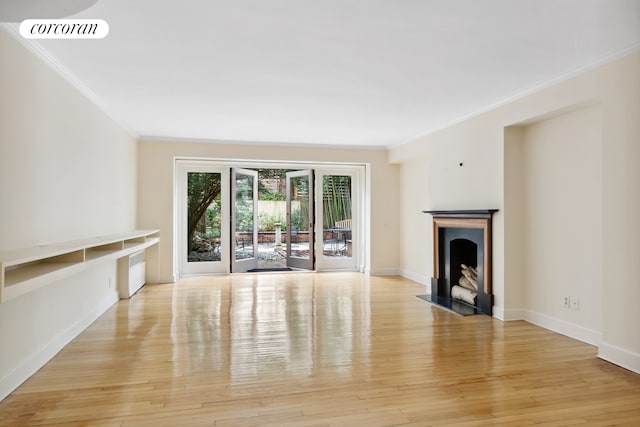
{"x":468,"y":284}
{"x":462,"y":294}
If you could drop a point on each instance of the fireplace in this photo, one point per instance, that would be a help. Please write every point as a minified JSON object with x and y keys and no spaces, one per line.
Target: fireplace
{"x":461,"y":279}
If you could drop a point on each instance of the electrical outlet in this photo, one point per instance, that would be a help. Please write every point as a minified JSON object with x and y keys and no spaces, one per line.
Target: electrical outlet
{"x":575,"y":303}
{"x":109,"y":282}
{"x":566,"y":302}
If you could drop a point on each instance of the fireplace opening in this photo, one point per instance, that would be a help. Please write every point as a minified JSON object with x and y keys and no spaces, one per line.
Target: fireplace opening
{"x":463,"y":271}
{"x":461,"y":250}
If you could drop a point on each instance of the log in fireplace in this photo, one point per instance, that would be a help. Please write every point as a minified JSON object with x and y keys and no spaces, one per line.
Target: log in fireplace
{"x":461,"y":279}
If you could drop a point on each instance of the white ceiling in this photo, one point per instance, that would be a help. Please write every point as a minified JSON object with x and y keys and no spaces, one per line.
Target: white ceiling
{"x":374,"y":73}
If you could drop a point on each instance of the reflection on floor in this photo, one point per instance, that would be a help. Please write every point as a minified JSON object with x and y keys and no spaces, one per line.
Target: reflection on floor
{"x":272,"y":257}
{"x":316,"y":349}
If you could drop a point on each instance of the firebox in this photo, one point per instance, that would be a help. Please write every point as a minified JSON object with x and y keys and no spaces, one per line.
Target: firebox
{"x":461,"y":279}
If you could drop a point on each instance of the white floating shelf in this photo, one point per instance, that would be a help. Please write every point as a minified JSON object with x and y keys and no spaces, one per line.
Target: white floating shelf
{"x":25,"y":270}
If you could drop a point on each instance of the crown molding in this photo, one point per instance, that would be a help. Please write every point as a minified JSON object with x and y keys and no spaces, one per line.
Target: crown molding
{"x":155,"y":138}
{"x":65,"y":73}
{"x":523,"y":94}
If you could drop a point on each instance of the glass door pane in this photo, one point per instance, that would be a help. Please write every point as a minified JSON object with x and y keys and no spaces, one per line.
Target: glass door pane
{"x":244,"y":219}
{"x":203,"y":217}
{"x":337,"y":216}
{"x":300,"y":220}
{"x":339,"y":227}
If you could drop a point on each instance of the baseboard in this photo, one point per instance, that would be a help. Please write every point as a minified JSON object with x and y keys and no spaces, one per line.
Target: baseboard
{"x":571,"y":330}
{"x":31,"y":365}
{"x":163,"y":280}
{"x":619,"y":356}
{"x":508,"y":314}
{"x":420,"y":278}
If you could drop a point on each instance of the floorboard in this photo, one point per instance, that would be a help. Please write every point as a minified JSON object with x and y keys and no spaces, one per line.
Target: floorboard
{"x":327,"y":349}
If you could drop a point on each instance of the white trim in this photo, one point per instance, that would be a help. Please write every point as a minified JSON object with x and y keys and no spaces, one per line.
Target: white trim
{"x":176,"y":221}
{"x":498,"y":312}
{"x":155,"y":138}
{"x":272,"y":164}
{"x":30,"y":366}
{"x":366,"y":220}
{"x":509,"y":314}
{"x":619,"y":356}
{"x":572,"y":330}
{"x":164,"y":280}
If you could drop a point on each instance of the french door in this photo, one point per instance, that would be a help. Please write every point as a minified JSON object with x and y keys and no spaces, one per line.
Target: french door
{"x":217,"y":219}
{"x":202,"y":218}
{"x":244,"y":220}
{"x":300,"y":220}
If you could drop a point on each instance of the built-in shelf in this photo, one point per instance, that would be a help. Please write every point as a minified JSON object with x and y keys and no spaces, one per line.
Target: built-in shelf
{"x":100,"y":251}
{"x":135,"y":241}
{"x":25,"y":270}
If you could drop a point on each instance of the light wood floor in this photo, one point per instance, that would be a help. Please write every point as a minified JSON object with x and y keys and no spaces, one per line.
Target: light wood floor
{"x":330,"y":349}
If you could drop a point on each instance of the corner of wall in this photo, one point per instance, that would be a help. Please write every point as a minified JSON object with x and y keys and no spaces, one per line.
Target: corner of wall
{"x":508,"y":314}
{"x":619,"y":356}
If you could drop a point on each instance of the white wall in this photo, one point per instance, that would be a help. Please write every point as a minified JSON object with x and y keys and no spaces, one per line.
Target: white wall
{"x":513,"y":214}
{"x":561,"y":219}
{"x":620,"y":91}
{"x":156,"y":175}
{"x":431,"y":178}
{"x":66,"y":172}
